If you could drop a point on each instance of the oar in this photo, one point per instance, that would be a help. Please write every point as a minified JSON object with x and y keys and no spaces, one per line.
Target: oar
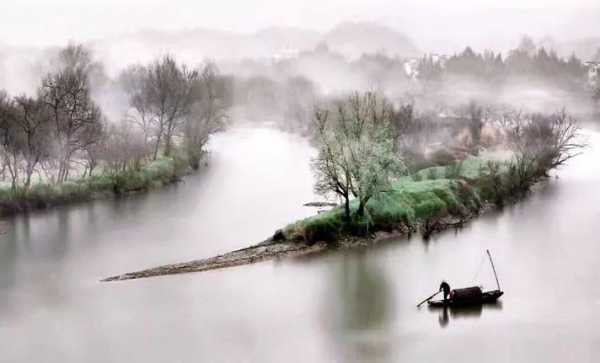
{"x":429,"y":298}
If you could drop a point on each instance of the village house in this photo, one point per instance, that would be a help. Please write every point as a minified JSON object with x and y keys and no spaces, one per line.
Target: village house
{"x":593,"y":72}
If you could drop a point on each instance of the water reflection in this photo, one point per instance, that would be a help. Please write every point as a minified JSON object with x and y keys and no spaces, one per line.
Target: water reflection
{"x":364,"y":294}
{"x":8,"y":258}
{"x":446,"y":313}
{"x":362,"y":310}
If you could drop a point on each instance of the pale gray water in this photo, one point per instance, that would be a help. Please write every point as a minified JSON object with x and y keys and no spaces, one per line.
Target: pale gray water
{"x":352,"y":306}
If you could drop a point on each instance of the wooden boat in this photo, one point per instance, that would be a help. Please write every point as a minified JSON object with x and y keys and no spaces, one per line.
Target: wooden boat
{"x":468,"y":296}
{"x":487,"y":297}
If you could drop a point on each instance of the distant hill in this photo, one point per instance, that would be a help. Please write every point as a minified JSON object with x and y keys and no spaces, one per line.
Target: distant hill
{"x":354,"y":39}
{"x":282,"y":39}
{"x":194,"y":45}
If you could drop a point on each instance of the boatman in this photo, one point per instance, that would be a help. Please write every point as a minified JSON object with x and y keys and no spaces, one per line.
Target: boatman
{"x":446,"y":288}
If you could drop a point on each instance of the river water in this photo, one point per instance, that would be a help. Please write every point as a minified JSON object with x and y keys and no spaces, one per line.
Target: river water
{"x":348,"y":306}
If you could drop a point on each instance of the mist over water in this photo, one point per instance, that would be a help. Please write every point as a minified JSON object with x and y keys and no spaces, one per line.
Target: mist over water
{"x":349,"y":306}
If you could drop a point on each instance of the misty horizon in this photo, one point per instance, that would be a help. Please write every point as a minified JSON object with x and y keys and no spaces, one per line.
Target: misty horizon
{"x":466,"y":23}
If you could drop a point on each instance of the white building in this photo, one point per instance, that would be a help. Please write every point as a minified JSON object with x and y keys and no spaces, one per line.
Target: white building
{"x":411,"y":68}
{"x":593,"y":72}
{"x":411,"y":65}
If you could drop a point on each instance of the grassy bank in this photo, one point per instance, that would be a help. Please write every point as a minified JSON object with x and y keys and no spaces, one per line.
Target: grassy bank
{"x":155,"y":174}
{"x":419,"y":202}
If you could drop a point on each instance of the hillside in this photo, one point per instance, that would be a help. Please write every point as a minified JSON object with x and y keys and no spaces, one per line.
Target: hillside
{"x":349,"y":39}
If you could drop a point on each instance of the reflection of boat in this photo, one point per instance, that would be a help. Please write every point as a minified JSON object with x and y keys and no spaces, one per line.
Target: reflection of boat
{"x":473,"y":311}
{"x":468,"y":296}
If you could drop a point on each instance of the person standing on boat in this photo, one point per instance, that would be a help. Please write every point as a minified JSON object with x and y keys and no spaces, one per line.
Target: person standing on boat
{"x":444,"y":286}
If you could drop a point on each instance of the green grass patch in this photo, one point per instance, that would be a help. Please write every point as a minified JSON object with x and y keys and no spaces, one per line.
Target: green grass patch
{"x":457,"y":190}
{"x":469,"y":169}
{"x":406,"y":204}
{"x":154,"y":174}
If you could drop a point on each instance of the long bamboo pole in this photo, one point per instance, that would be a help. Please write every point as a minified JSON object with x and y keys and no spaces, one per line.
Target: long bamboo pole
{"x":493,"y":268}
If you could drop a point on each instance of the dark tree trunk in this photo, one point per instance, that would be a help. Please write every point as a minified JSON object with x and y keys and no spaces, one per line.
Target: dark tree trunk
{"x":13,"y":168}
{"x":13,"y":182}
{"x":347,"y":207}
{"x":28,"y":172}
{"x":156,"y":146}
{"x":158,"y":140}
{"x":63,"y":169}
{"x":168,"y":146}
{"x":361,"y":209}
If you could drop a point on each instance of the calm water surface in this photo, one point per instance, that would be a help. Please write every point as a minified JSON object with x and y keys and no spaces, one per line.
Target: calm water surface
{"x":342,"y":307}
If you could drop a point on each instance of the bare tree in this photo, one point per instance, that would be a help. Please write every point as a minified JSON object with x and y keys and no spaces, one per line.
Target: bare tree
{"x":209,"y":112}
{"x":403,"y":124}
{"x":132,"y":81}
{"x":122,"y":148}
{"x":543,"y":141}
{"x":75,"y":117}
{"x":356,"y":154}
{"x":32,"y":119}
{"x":11,"y":139}
{"x":475,"y":120}
{"x":164,"y":99}
{"x":330,"y":167}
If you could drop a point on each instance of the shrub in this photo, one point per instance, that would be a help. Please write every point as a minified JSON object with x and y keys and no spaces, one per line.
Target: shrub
{"x":432,"y":173}
{"x":490,"y":183}
{"x":453,"y":171}
{"x":429,"y":209}
{"x":387,"y":216}
{"x":442,"y":158}
{"x":324,"y":227}
{"x":101,"y":183}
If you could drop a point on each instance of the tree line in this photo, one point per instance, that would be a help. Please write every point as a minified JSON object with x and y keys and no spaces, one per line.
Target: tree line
{"x":286,"y":90}
{"x":527,"y":61}
{"x":61,"y":132}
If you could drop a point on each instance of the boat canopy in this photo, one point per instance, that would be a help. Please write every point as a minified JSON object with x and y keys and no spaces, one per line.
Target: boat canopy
{"x":468,"y":294}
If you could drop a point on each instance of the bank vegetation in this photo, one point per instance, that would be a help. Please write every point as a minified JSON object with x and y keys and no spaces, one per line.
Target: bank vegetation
{"x":387,"y":188}
{"x":59,"y":146}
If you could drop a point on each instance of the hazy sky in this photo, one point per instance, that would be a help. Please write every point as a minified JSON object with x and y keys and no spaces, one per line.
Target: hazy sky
{"x":429,"y":22}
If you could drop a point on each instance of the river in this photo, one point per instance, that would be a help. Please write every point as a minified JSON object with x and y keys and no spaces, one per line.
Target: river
{"x":348,"y":306}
